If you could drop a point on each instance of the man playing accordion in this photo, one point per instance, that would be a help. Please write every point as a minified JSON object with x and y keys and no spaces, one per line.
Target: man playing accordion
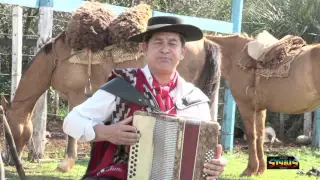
{"x":105,"y":119}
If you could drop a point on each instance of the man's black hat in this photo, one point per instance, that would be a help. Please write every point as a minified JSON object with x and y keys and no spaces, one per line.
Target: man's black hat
{"x":169,"y":24}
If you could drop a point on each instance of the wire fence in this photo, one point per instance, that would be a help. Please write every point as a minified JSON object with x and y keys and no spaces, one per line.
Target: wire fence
{"x":30,"y":29}
{"x":5,"y":49}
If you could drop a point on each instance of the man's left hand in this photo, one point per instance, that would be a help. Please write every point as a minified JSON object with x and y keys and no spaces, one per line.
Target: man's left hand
{"x":215,"y":166}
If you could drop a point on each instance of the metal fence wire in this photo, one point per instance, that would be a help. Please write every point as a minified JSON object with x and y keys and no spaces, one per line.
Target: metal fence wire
{"x":5,"y":48}
{"x":30,"y":29}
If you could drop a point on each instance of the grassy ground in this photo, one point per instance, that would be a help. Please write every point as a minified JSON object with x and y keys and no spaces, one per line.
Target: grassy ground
{"x":238,"y":160}
{"x":54,"y":150}
{"x":236,"y":164}
{"x":47,"y":171}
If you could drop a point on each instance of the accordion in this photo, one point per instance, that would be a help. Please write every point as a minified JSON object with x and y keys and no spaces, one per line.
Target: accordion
{"x":171,"y":147}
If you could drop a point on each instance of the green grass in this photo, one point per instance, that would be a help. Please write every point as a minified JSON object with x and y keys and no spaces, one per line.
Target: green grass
{"x":47,"y":171}
{"x":236,"y":164}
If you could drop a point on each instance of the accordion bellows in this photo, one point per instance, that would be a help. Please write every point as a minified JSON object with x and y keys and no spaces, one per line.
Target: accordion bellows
{"x":171,"y":147}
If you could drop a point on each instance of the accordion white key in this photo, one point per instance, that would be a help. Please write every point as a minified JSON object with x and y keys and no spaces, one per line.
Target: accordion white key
{"x":171,"y":147}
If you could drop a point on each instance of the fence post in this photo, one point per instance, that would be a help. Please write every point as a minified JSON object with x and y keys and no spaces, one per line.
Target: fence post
{"x":307,"y":123}
{"x":45,"y":25}
{"x":56,"y":102}
{"x":17,"y":27}
{"x":282,"y":120}
{"x":215,"y":106}
{"x":316,"y":130}
{"x":227,"y":133}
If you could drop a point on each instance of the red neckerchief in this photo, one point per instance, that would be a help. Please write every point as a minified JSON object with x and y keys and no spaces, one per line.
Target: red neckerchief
{"x":162,"y":93}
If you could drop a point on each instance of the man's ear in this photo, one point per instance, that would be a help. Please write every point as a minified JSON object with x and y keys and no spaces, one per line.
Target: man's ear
{"x":143,"y":47}
{"x":184,"y":51}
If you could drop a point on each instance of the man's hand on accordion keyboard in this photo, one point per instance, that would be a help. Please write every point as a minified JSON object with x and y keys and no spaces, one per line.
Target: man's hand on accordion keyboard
{"x":120,"y":133}
{"x":215,"y":167}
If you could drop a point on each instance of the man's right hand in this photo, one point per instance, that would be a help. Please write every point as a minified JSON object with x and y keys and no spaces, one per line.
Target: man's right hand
{"x":120,"y":133}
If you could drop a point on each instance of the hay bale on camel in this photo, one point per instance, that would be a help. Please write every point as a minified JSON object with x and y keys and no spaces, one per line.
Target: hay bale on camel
{"x":115,"y":46}
{"x":131,"y":22}
{"x":88,"y":27}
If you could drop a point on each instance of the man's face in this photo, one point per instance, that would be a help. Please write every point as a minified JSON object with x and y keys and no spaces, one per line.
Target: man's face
{"x":164,"y":52}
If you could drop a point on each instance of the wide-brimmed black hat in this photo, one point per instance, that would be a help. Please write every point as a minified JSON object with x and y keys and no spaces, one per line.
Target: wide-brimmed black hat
{"x":169,"y":24}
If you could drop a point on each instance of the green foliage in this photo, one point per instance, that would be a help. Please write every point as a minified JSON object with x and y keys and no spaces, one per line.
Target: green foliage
{"x":5,"y":65}
{"x":5,"y":85}
{"x":297,"y":17}
{"x":63,"y":110}
{"x":218,"y":9}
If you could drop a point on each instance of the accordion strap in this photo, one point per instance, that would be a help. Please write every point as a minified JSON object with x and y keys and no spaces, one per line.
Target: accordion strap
{"x":193,"y":98}
{"x":121,"y":88}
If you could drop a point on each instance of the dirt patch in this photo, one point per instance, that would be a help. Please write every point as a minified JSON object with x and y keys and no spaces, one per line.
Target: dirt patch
{"x":54,"y":128}
{"x":57,"y":140}
{"x":241,"y":145}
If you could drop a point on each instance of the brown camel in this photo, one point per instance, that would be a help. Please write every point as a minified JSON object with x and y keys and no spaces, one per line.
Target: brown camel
{"x":50,"y":67}
{"x":295,"y":93}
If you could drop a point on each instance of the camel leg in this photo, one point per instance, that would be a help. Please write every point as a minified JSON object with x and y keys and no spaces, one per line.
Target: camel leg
{"x":71,"y":150}
{"x":260,"y":127}
{"x":247,"y":114}
{"x":71,"y":155}
{"x":17,"y":138}
{"x":12,"y":147}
